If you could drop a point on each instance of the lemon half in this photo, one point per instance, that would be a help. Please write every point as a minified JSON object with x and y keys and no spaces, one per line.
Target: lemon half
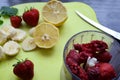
{"x":54,"y":12}
{"x":46,"y":35}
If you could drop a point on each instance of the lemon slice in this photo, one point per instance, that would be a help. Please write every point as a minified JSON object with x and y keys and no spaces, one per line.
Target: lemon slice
{"x":46,"y":35}
{"x":54,"y":12}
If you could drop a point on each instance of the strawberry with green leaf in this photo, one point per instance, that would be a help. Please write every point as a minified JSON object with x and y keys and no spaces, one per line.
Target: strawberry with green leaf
{"x":6,"y":11}
{"x":31,"y":17}
{"x":24,"y":69}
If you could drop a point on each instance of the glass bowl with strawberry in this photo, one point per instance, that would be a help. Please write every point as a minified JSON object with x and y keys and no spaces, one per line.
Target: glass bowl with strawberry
{"x":91,"y":55}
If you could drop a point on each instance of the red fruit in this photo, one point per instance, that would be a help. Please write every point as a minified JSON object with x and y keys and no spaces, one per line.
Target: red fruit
{"x":31,"y":17}
{"x":84,"y":56}
{"x":80,"y":54}
{"x":93,"y":73}
{"x":104,"y":56}
{"x":73,"y":54}
{"x":107,"y":71}
{"x":88,"y":47}
{"x":78,"y":71}
{"x":99,"y":46}
{"x":70,"y":61}
{"x":15,"y":21}
{"x":78,"y":47}
{"x":73,"y":66}
{"x":82,"y":74}
{"x":24,"y":70}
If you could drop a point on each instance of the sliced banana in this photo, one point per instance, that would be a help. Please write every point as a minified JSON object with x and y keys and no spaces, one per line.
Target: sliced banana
{"x":11,"y":48}
{"x":19,"y":36}
{"x":31,"y":31}
{"x":28,"y":44}
{"x":1,"y":53}
{"x":9,"y":30}
{"x":3,"y":37}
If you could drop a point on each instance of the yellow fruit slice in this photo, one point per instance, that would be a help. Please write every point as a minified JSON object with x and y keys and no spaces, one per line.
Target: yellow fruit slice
{"x":54,"y":12}
{"x":46,"y":35}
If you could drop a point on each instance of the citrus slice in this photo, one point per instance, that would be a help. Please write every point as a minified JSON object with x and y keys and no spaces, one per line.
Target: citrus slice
{"x":46,"y":35}
{"x":54,"y":12}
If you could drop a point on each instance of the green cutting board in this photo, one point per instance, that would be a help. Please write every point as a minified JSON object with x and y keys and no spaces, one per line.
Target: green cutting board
{"x":48,"y":62}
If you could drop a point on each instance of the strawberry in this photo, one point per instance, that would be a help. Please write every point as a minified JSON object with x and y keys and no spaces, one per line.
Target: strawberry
{"x":104,"y":56}
{"x":31,"y":17}
{"x":107,"y":71}
{"x":93,"y":73}
{"x":24,"y":69}
{"x":15,"y":21}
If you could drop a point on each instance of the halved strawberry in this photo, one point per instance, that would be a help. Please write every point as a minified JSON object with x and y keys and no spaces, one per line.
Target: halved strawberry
{"x":31,"y":17}
{"x":24,"y":69}
{"x":15,"y":21}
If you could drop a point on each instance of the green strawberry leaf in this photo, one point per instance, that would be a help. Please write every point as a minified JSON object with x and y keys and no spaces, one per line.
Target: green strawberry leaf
{"x":8,"y":11}
{"x":1,"y":22}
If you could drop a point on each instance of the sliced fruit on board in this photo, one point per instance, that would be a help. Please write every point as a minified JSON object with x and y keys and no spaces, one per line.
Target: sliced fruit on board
{"x":11,"y":48}
{"x":28,"y":44}
{"x":54,"y":12}
{"x":46,"y":35}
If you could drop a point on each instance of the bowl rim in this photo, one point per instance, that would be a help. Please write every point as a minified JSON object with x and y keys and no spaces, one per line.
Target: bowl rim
{"x":64,"y":59}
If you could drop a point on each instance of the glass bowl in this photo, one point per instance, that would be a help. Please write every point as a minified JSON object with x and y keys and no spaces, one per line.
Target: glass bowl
{"x":86,"y":37}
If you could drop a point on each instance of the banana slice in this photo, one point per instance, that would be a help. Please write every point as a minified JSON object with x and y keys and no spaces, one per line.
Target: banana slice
{"x":19,"y":36}
{"x":91,"y":62}
{"x":1,"y":53}
{"x":3,"y":37}
{"x":28,"y":44}
{"x":31,"y":31}
{"x":11,"y":48}
{"x":9,"y":30}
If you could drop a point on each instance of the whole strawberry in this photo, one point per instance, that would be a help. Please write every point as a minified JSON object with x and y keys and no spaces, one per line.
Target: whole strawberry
{"x":15,"y":21}
{"x":24,"y":69}
{"x":31,"y":17}
{"x":107,"y":71}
